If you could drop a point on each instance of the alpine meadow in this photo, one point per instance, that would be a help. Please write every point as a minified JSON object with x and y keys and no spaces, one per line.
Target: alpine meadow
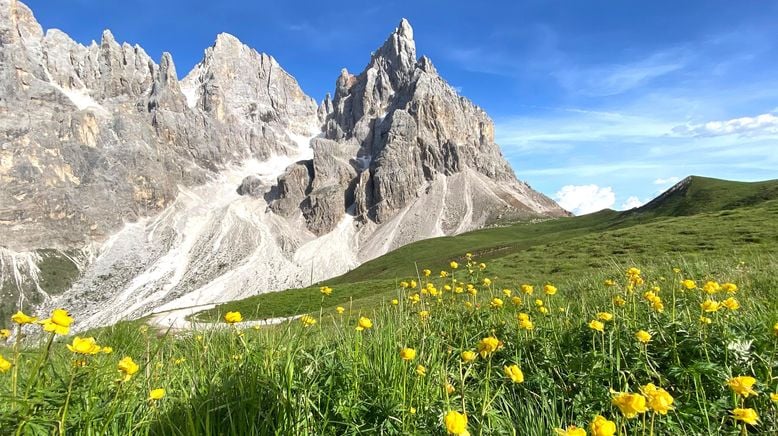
{"x":217,"y":253}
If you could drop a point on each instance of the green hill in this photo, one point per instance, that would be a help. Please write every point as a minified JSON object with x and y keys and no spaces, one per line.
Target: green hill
{"x":699,"y":218}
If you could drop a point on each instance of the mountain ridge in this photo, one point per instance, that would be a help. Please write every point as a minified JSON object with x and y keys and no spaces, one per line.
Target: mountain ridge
{"x":154,"y":192}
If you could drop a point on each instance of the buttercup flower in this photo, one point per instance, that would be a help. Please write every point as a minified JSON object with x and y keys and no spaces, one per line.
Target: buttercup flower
{"x":4,"y":365}
{"x":729,"y":288}
{"x":364,"y":323}
{"x":605,"y":316}
{"x":421,"y":370}
{"x":689,"y":284}
{"x":643,"y":336}
{"x":507,"y":293}
{"x":514,"y":373}
{"x":456,"y":423}
{"x":549,"y":289}
{"x":711,"y":287}
{"x":749,"y":416}
{"x":340,"y":310}
{"x":774,"y":397}
{"x":5,"y":333}
{"x":742,"y":385}
{"x":516,"y":301}
{"x":630,"y":405}
{"x":395,"y":302}
{"x":453,"y":265}
{"x":450,"y":389}
{"x":426,"y":272}
{"x":487,"y":281}
{"x":570,"y":431}
{"x":705,"y":320}
{"x":526,"y":324}
{"x":107,"y":350}
{"x":59,"y":322}
{"x":496,"y":303}
{"x":619,"y":301}
{"x":601,"y":426}
{"x":424,"y":314}
{"x":233,"y":317}
{"x":307,"y":320}
{"x":468,"y":356}
{"x":731,"y":303}
{"x":22,"y":319}
{"x":527,"y":289}
{"x":157,"y":394}
{"x":710,"y":306}
{"x":325,"y":290}
{"x":86,"y":346}
{"x":596,"y":325}
{"x":407,"y":354}
{"x":127,"y":367}
{"x":659,"y":400}
{"x":488,"y":345}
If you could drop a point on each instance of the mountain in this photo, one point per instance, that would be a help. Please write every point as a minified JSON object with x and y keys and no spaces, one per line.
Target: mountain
{"x":726,"y":225}
{"x":127,"y":190}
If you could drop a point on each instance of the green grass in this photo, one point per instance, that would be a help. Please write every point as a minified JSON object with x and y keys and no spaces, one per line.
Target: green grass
{"x":560,"y":249}
{"x":331,"y":379}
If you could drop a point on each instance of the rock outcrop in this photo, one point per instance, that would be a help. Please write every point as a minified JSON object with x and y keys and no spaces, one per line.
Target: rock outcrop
{"x":126,"y":190}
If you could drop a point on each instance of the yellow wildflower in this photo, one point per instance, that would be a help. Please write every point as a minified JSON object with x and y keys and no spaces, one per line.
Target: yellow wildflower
{"x":468,"y":356}
{"x":601,"y":426}
{"x":549,"y":289}
{"x":453,"y":265}
{"x":507,"y":293}
{"x":407,"y":354}
{"x":659,"y":400}
{"x":514,"y":373}
{"x":487,"y":281}
{"x":127,"y":367}
{"x":59,"y":322}
{"x":5,"y":333}
{"x":689,"y":284}
{"x":84,"y":346}
{"x":543,"y":310}
{"x":526,"y":324}
{"x":609,"y":282}
{"x":731,"y":303}
{"x":711,"y":287}
{"x":424,"y":314}
{"x":307,"y":320}
{"x":395,"y":302}
{"x":421,"y":370}
{"x":157,"y":394}
{"x":705,"y":320}
{"x":516,"y":300}
{"x":749,"y":416}
{"x":527,"y":289}
{"x":233,"y":317}
{"x":364,"y":323}
{"x":412,"y":285}
{"x":325,"y":290}
{"x":496,"y":303}
{"x":742,"y":385}
{"x":426,"y":272}
{"x":774,"y":397}
{"x":710,"y":306}
{"x":107,"y":350}
{"x":729,"y":288}
{"x":596,"y":325}
{"x":456,"y":423}
{"x":20,"y":318}
{"x":538,"y":302}
{"x":340,"y":310}
{"x":630,"y":405}
{"x":570,"y":431}
{"x":605,"y":316}
{"x":618,"y":301}
{"x":4,"y":365}
{"x":488,"y":345}
{"x":643,"y":336}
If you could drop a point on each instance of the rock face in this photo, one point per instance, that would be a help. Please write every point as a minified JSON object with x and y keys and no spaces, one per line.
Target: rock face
{"x":395,"y":131}
{"x":126,"y":189}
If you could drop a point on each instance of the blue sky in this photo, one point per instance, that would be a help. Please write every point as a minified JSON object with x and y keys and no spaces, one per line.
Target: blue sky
{"x":596,"y":103}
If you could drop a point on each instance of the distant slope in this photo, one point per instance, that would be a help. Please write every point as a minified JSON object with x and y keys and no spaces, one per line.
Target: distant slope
{"x":696,"y":194}
{"x":700,"y":218}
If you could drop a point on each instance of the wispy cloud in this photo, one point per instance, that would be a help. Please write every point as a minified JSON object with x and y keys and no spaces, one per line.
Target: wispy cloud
{"x":612,"y":79}
{"x":764,"y":124}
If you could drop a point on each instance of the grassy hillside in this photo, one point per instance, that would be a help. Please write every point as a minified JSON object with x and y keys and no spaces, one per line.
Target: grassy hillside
{"x":731,"y":219}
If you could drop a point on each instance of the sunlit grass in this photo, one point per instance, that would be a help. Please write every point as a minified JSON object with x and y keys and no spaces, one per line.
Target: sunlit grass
{"x":340,"y":375}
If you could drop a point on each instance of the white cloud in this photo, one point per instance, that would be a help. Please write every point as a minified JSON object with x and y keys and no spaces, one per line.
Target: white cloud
{"x":764,"y":124}
{"x":583,"y":199}
{"x":632,"y":202}
{"x":672,"y":180}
